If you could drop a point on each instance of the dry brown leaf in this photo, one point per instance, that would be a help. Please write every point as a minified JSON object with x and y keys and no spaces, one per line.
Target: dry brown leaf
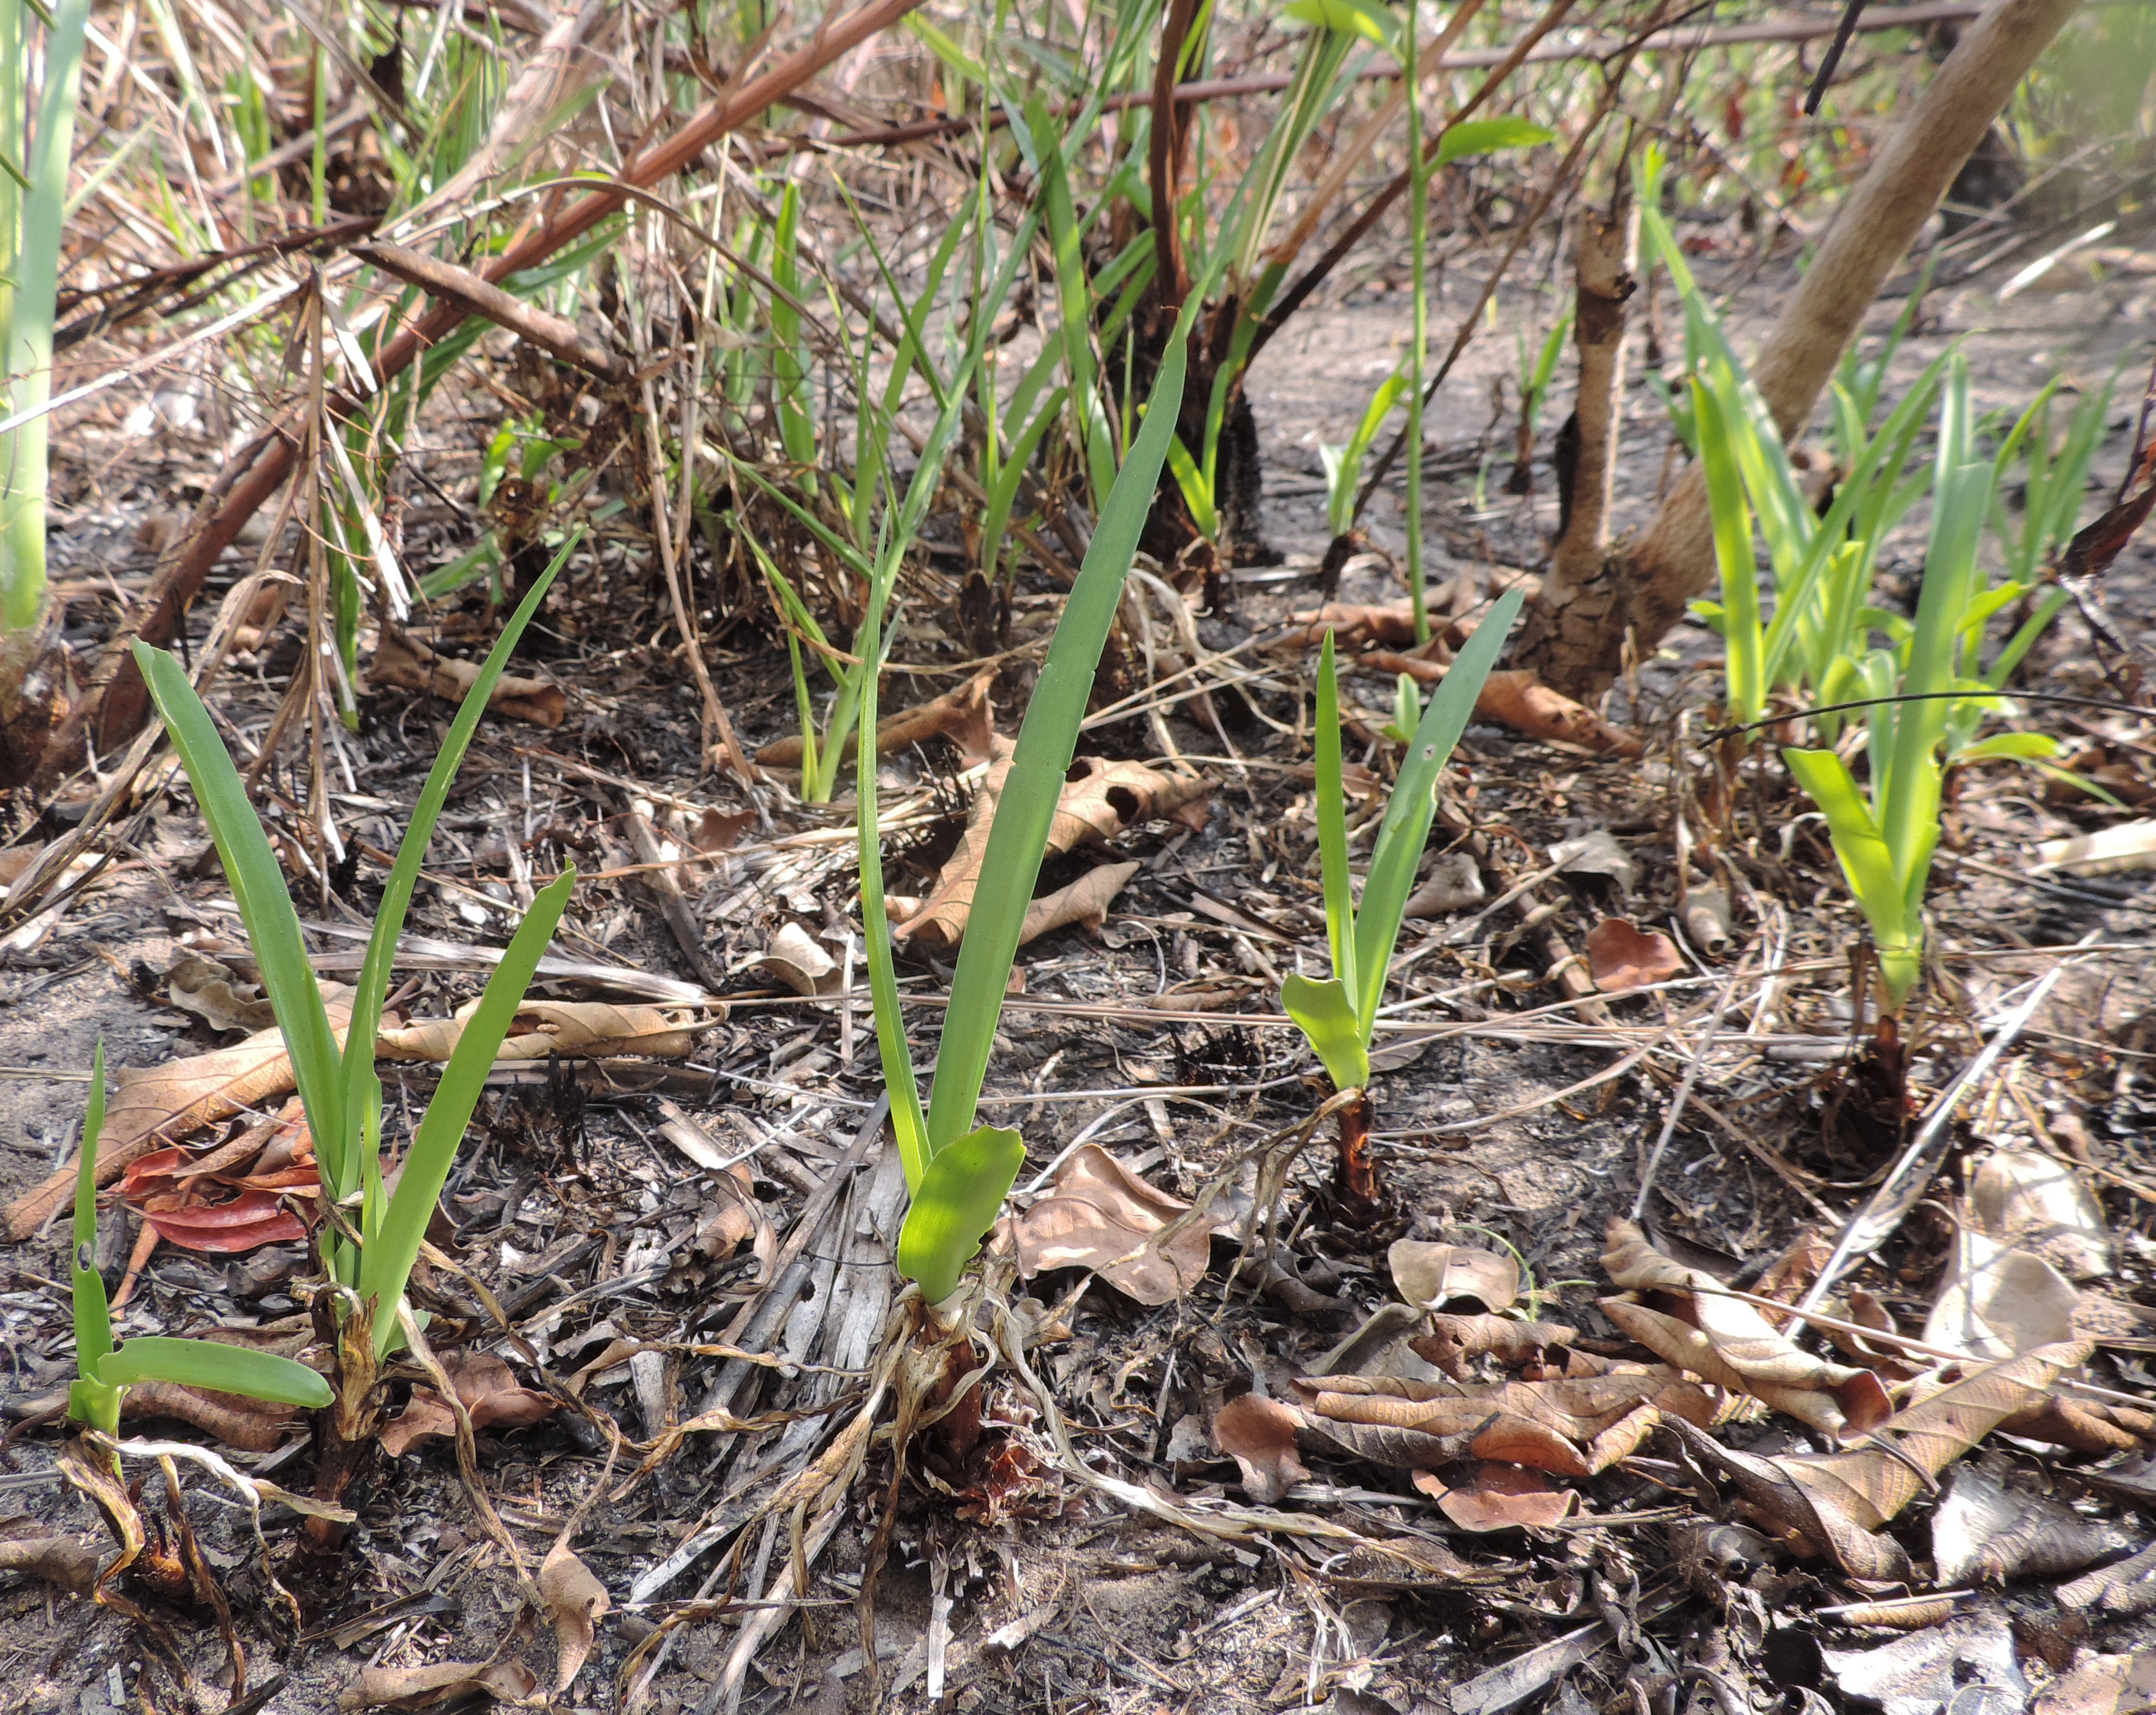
{"x":253,"y":1426}
{"x":1354,"y":623}
{"x":1500,"y":1497}
{"x":162,"y":1104}
{"x":1082,"y":904}
{"x":2085,"y":1425}
{"x":506,"y":1682}
{"x":58,"y":1560}
{"x":2024,"y":1197}
{"x":1100,"y":800}
{"x":1259,"y":1435}
{"x":1573,"y":1427}
{"x":491,"y":1393}
{"x":1103,"y":1216}
{"x":574,"y":1601}
{"x":1621,"y":956}
{"x":2101,"y":1685}
{"x":1968,"y":1664}
{"x":1453,"y":883}
{"x":1833,"y":1503}
{"x":1997,"y":1300}
{"x":1454,"y":1339}
{"x":797,"y":960}
{"x":1429,"y":1275}
{"x":1985,"y":1533}
{"x":207,"y":989}
{"x":406,"y":661}
{"x":590,"y":1028}
{"x":2127,"y":1588}
{"x":1680,"y":1316}
{"x":964,"y":716}
{"x":1411,"y":1563}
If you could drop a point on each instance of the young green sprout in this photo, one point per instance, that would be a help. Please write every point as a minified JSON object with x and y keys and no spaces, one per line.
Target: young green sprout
{"x":103,"y":1372}
{"x":370,"y":1252}
{"x":1339,"y":1015}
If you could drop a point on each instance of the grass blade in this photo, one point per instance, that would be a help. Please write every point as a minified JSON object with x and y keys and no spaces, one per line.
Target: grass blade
{"x":387,"y":1262}
{"x":212,"y":1363}
{"x":1733,"y":553}
{"x":265,"y":906}
{"x":1333,"y":822}
{"x":1413,"y":803}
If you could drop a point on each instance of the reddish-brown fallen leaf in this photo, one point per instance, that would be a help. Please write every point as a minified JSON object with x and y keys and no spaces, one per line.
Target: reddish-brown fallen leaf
{"x":1354,"y":623}
{"x":405,"y":661}
{"x":1683,"y":1318}
{"x":1621,"y":956}
{"x":1452,"y":1340}
{"x":58,"y":1560}
{"x":1521,"y":702}
{"x":1100,"y":800}
{"x":1259,"y":1435}
{"x":1835,"y":1503}
{"x":591,"y":1028}
{"x":1082,"y":904}
{"x":490,"y":1394}
{"x":165,"y":1103}
{"x":1499,"y":1498}
{"x":1427,"y":1275}
{"x":1103,"y":1216}
{"x":252,"y":1218}
{"x":963,"y":716}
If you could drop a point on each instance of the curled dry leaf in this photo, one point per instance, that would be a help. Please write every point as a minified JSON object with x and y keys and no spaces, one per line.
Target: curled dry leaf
{"x":1681,"y":1315}
{"x":1833,"y":1503}
{"x":249,"y":1221}
{"x":574,"y":1601}
{"x":1968,"y":1664}
{"x":1500,"y":1497}
{"x":1452,"y":1340}
{"x":1621,"y":956}
{"x":1568,"y":1428}
{"x":1597,"y":853}
{"x":58,"y":1560}
{"x":1453,"y":883}
{"x":1521,"y":700}
{"x":591,"y":1028}
{"x":1259,"y":1435}
{"x":2101,"y":1685}
{"x":165,"y":1103}
{"x":1985,"y":1533}
{"x":2129,"y":1586}
{"x":405,"y":661}
{"x":491,"y":1393}
{"x":1997,"y":1300}
{"x":207,"y":989}
{"x":964,"y":716}
{"x":2026,"y":1198}
{"x":506,"y":1682}
{"x":1099,"y":801}
{"x":1430,"y":1275}
{"x":796,"y":958}
{"x":1082,"y":904}
{"x":1103,"y":1216}
{"x":1354,"y":623}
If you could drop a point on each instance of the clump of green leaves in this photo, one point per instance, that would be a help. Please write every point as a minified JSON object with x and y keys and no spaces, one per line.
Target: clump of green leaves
{"x":369,"y":1250}
{"x":1339,"y":1014}
{"x":104,"y":1371}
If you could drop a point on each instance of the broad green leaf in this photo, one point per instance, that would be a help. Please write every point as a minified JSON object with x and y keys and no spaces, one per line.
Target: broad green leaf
{"x":955,"y":1205}
{"x":1408,"y":816}
{"x":2019,"y":747}
{"x":1484,"y":137}
{"x":1880,"y":890}
{"x":374,"y":984}
{"x":1356,"y":18}
{"x":1047,"y":739}
{"x":212,"y":1363}
{"x":1197,"y":492}
{"x":1326,"y":1016}
{"x":387,"y":1263}
{"x":266,"y":908}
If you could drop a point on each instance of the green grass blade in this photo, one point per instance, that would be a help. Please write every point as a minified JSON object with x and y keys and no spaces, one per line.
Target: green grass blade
{"x":387,"y":1263}
{"x":1327,"y":1018}
{"x":212,"y":1363}
{"x":93,"y":1315}
{"x":1046,"y":740}
{"x":1868,"y":865}
{"x":266,"y":908}
{"x":1330,"y":785}
{"x":955,"y":1205}
{"x":1413,"y":804}
{"x":1732,"y":555}
{"x":373,"y":983}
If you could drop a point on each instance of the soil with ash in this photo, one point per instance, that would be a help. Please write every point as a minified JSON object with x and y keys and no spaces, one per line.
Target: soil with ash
{"x":1009,"y":1583}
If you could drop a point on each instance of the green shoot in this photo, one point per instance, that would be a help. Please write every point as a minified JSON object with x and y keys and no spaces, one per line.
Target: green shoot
{"x":1339,"y":1015}
{"x":338,"y":1087}
{"x":1343,"y":465}
{"x":957,"y":1174}
{"x":33,"y":214}
{"x":103,"y":1373}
